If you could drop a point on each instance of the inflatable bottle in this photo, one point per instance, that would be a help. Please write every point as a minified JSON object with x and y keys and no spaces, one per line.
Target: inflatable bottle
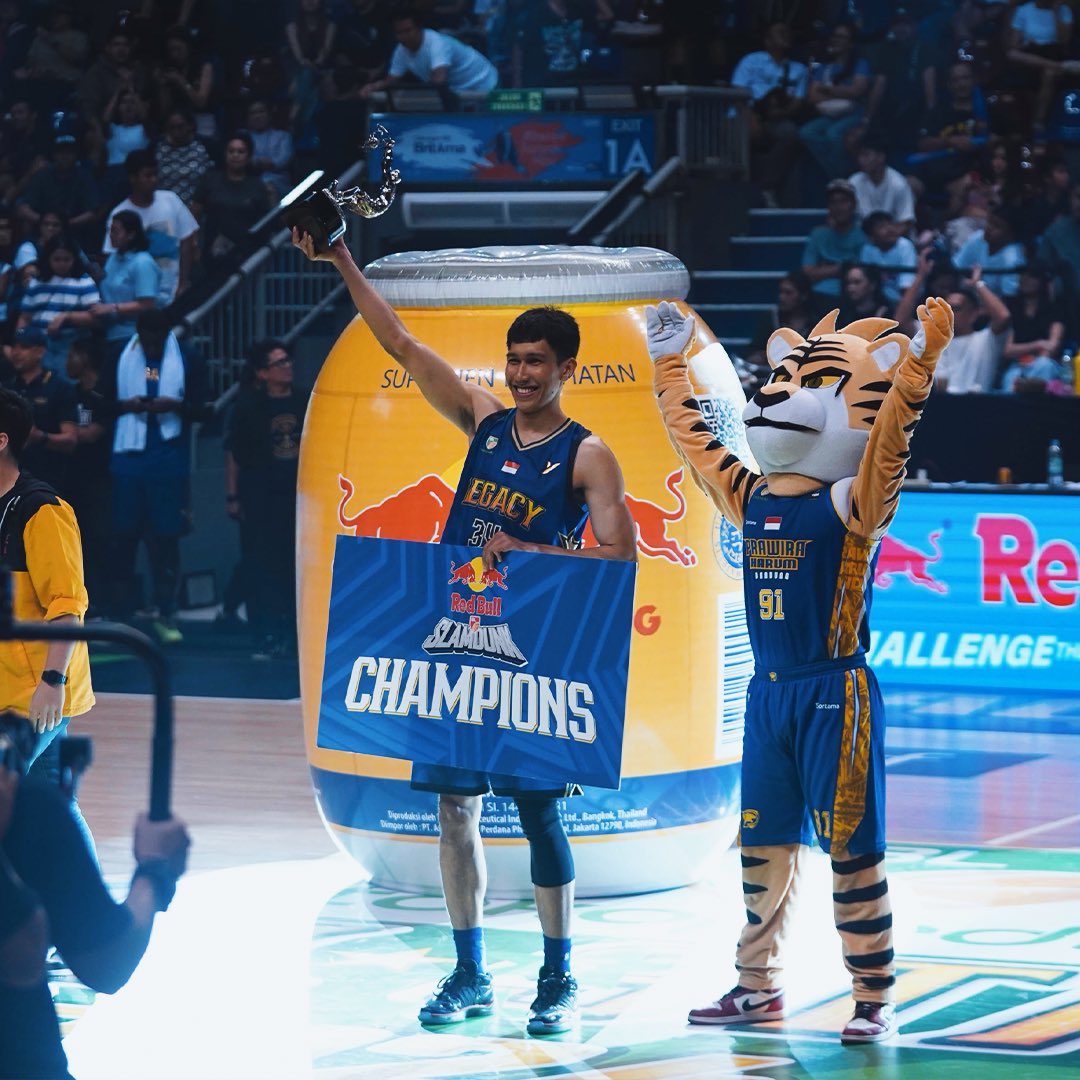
{"x":377,"y":460}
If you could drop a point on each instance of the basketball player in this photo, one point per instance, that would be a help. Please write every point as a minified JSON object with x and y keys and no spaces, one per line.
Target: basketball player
{"x":574,"y":477}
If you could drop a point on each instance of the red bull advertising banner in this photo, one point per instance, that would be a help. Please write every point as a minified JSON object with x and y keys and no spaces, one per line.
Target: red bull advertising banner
{"x":982,"y":590}
{"x":378,"y":461}
{"x":471,"y":670}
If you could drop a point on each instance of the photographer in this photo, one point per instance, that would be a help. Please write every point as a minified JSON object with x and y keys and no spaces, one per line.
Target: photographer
{"x":51,"y":892}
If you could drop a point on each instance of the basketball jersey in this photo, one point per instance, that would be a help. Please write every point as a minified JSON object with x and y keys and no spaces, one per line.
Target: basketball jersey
{"x":527,"y":491}
{"x":807,"y":580}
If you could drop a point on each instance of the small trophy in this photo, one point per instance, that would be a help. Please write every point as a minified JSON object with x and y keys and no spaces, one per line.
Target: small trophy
{"x":320,"y":214}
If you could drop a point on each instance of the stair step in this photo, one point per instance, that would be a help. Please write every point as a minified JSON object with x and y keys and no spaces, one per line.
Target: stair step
{"x":791,"y":222}
{"x":782,"y":253}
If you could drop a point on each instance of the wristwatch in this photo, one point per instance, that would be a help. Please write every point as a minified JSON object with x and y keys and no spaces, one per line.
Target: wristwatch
{"x":52,"y":677}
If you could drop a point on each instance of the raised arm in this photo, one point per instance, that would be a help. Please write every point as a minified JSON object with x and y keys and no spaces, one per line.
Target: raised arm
{"x":716,"y":470}
{"x":464,"y":406}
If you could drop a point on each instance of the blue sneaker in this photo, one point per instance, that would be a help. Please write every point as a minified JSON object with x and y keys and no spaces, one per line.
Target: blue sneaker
{"x":555,"y":1007}
{"x":465,"y":992}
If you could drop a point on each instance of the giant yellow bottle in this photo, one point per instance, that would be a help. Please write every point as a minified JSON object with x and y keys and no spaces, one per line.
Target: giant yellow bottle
{"x":377,"y":460}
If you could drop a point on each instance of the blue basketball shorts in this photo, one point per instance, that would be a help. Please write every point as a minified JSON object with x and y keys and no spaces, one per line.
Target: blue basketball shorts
{"x":814,"y":758}
{"x":447,"y":780}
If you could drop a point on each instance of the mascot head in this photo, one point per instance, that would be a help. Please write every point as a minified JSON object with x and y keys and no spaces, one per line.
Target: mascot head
{"x":814,"y":414}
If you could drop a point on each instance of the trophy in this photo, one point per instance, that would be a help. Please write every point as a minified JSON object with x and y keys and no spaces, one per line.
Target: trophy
{"x":321,"y":215}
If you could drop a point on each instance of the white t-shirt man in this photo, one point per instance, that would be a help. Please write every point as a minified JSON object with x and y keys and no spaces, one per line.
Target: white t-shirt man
{"x":467,"y":69}
{"x":167,"y":222}
{"x":893,"y":195}
{"x":969,"y":363}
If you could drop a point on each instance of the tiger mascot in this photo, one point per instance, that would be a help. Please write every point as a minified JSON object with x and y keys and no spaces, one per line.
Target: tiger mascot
{"x":830,"y":431}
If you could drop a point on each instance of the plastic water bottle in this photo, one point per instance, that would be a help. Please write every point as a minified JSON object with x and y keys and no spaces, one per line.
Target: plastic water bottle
{"x":1055,"y":466}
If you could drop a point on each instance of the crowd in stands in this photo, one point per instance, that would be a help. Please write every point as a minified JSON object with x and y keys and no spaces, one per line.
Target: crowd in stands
{"x":141,"y":140}
{"x":944,"y":138}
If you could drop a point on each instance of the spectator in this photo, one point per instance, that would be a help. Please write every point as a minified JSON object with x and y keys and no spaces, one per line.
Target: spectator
{"x":1046,"y":199}
{"x":777,"y":86}
{"x":836,"y":93}
{"x":186,"y":81}
{"x":272,"y":150}
{"x":1039,"y":37}
{"x":862,"y":296}
{"x":159,"y":393}
{"x":25,"y":142}
{"x":895,"y":104}
{"x":436,"y":59}
{"x":47,"y":682}
{"x":794,"y":309}
{"x":51,"y":441}
{"x":880,"y":188}
{"x":7,"y":266}
{"x":958,"y":31}
{"x":892,"y":254}
{"x":60,"y":300}
{"x":66,"y":186}
{"x":228,"y":202}
{"x":975,"y":200}
{"x":170,"y":227}
{"x":112,"y":69}
{"x":342,"y":114}
{"x":564,"y":34}
{"x":1060,"y":245}
{"x":131,"y":285}
{"x":262,"y":451}
{"x":89,"y":481}
{"x":182,"y":159}
{"x":364,"y":38}
{"x":310,"y":39}
{"x":952,"y":132}
{"x":995,"y":250}
{"x":50,"y":224}
{"x":970,"y":363}
{"x":1036,"y":336}
{"x":57,"y":56}
{"x":53,"y":894}
{"x":838,"y":241}
{"x":124,"y":129}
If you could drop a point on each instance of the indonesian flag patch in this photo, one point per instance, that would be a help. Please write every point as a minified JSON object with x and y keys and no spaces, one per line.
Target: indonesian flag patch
{"x":512,"y":467}
{"x":772,"y":524}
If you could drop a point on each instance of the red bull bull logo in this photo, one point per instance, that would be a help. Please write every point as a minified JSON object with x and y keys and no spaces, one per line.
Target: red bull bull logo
{"x":651,"y":523}
{"x":478,"y":579}
{"x":417,"y":511}
{"x":896,"y":557}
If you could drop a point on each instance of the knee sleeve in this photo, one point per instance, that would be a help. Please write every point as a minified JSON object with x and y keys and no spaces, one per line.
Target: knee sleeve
{"x":549,"y":848}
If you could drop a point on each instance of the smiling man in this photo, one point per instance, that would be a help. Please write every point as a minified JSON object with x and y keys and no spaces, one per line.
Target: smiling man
{"x":531,"y":480}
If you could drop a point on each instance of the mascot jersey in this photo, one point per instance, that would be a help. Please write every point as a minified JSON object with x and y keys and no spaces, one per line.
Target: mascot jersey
{"x":806,"y":581}
{"x":525,"y":490}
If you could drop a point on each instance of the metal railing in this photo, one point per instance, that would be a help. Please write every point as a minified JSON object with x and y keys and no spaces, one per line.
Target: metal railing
{"x":275,"y":293}
{"x":708,"y":127}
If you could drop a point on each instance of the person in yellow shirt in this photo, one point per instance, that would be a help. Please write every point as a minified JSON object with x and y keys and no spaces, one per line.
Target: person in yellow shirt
{"x":48,"y":682}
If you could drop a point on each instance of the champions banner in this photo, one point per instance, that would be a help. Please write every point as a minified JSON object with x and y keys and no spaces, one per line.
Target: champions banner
{"x":519,"y":670}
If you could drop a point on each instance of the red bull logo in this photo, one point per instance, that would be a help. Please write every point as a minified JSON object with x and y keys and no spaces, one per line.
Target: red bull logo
{"x":478,"y":579}
{"x":651,"y":523}
{"x":417,"y":511}
{"x":896,"y":557}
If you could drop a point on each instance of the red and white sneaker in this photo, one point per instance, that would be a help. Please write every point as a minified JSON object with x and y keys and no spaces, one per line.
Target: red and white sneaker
{"x":872,"y":1022}
{"x":741,"y":1006}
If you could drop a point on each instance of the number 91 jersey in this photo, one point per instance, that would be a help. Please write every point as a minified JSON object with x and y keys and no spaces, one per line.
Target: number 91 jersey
{"x":807,"y":580}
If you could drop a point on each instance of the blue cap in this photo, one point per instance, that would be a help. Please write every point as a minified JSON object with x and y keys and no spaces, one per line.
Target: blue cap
{"x":30,"y":335}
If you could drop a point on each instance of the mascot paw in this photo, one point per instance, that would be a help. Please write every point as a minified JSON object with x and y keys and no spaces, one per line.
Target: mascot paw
{"x":935,"y":331}
{"x":667,"y":330}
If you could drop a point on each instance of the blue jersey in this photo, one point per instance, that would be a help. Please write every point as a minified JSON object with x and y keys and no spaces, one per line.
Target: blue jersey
{"x":527,"y":491}
{"x":807,"y":581}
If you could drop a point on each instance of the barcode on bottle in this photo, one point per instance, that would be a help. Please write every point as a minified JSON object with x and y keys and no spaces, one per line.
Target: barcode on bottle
{"x":734,"y":669}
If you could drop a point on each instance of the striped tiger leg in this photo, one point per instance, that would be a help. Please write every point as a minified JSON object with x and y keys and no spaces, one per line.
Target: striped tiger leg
{"x":770,"y":882}
{"x":864,"y":919}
